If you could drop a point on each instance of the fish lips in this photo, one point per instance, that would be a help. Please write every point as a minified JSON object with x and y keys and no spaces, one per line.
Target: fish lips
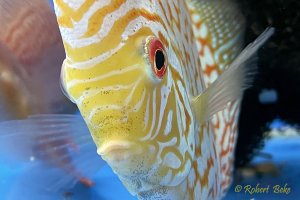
{"x":127,"y":159}
{"x":119,"y":153}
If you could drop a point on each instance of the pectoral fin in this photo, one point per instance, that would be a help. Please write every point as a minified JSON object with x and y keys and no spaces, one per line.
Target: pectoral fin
{"x":232,"y":83}
{"x":55,"y":143}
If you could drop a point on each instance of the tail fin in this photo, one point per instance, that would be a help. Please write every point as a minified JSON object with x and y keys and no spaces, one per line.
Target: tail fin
{"x":57,"y":150}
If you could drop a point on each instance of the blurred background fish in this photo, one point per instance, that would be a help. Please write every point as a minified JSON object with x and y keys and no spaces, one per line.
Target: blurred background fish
{"x":31,"y":53}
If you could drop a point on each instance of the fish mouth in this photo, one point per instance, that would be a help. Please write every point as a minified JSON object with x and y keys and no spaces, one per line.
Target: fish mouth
{"x":117,"y":151}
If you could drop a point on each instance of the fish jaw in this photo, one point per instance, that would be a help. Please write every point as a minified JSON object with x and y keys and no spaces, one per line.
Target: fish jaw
{"x":126,"y":158}
{"x":135,"y":164}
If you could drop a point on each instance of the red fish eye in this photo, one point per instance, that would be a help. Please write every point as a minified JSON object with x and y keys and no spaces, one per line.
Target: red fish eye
{"x":157,"y":57}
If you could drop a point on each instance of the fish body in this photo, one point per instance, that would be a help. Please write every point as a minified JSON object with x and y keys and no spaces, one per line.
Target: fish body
{"x":219,"y":28}
{"x":143,"y":77}
{"x":130,"y":117}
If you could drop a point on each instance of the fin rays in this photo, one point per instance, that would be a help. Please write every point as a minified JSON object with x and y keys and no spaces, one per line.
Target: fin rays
{"x":231,"y":84}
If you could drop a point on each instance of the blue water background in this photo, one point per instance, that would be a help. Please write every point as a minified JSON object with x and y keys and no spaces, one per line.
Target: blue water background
{"x":284,"y":151}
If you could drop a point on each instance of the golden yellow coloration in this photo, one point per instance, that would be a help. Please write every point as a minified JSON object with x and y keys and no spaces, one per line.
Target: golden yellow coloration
{"x":117,"y":94}
{"x":145,"y":121}
{"x":70,"y":15}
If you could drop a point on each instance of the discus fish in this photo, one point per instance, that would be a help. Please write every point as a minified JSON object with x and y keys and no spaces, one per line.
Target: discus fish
{"x":141,"y":74}
{"x":139,"y":71}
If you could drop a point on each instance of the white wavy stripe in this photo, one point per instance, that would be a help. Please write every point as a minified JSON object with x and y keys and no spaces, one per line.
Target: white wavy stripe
{"x":146,"y":118}
{"x":76,"y":4}
{"x":138,"y":106}
{"x":130,"y":95}
{"x":167,"y":129}
{"x":74,"y":82}
{"x":101,"y":108}
{"x":93,"y":92}
{"x":179,"y":121}
{"x":148,"y":136}
{"x":73,"y":36}
{"x":90,"y":63}
{"x":163,"y":145}
{"x":163,"y":102}
{"x":168,"y":33}
{"x":183,"y":104}
{"x":130,"y":30}
{"x":164,"y":11}
{"x":172,"y":31}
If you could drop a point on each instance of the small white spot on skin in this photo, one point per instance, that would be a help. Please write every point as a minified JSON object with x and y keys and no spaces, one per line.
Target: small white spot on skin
{"x":172,"y":161}
{"x":226,"y":115}
{"x":196,"y":18}
{"x":226,"y":138}
{"x":201,"y":162}
{"x":268,"y":96}
{"x":185,"y":102}
{"x":225,"y":56}
{"x":213,"y":76}
{"x":169,"y":123}
{"x":203,"y":31}
{"x":208,"y":56}
{"x":214,"y":120}
{"x":32,"y":158}
{"x":75,"y":4}
{"x":199,"y":46}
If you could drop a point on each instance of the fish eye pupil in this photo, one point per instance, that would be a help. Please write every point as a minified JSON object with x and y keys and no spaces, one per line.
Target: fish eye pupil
{"x":159,"y":59}
{"x":156,"y":56}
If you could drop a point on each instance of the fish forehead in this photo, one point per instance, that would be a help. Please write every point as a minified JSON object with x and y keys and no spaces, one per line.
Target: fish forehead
{"x":85,"y":24}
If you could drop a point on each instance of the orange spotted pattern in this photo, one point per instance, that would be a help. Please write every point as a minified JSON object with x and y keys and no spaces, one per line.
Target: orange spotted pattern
{"x":219,"y":29}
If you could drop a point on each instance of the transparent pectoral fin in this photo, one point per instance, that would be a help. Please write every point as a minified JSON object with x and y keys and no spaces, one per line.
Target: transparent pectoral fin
{"x":55,"y":143}
{"x":232,"y":83}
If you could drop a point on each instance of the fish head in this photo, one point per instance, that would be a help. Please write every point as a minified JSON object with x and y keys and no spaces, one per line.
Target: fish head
{"x":123,"y":71}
